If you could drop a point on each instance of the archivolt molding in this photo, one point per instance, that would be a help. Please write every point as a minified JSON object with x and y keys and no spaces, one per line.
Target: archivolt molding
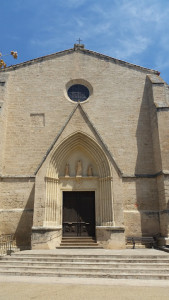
{"x":70,"y":144}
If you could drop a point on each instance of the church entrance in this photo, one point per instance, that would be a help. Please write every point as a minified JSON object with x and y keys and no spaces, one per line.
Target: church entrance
{"x":78,"y":214}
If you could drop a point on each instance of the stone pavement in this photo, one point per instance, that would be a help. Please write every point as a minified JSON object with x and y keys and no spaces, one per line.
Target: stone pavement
{"x":84,"y":289}
{"x":35,"y":288}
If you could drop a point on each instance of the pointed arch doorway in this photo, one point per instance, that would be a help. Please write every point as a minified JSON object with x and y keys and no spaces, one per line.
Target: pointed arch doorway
{"x":79,"y":214}
{"x":78,"y":147}
{"x":77,"y":164}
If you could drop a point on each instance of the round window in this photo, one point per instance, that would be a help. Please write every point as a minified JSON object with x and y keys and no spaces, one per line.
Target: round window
{"x":78,"y":92}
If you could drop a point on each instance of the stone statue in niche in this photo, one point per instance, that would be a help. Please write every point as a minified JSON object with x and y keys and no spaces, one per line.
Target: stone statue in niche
{"x":79,"y":169}
{"x":67,"y":170}
{"x":90,"y":171}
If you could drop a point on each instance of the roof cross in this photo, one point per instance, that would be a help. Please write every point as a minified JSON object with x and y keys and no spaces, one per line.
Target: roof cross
{"x":79,"y":40}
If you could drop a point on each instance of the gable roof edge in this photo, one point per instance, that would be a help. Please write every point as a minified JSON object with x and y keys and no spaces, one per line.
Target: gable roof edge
{"x":36,"y":60}
{"x":84,"y":51}
{"x":117,"y":61}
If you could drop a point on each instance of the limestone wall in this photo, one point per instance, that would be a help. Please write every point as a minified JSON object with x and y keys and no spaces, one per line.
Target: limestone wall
{"x":16,"y":209}
{"x":159,"y":111}
{"x":141,"y":206}
{"x":3,"y":114}
{"x":38,"y":108}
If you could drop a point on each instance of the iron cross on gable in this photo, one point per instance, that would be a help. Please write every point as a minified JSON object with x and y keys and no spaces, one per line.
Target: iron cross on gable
{"x":79,"y":40}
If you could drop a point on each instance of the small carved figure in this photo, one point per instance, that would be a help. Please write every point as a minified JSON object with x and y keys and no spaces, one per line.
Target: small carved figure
{"x":67,"y":170}
{"x":79,"y":169}
{"x":90,"y":171}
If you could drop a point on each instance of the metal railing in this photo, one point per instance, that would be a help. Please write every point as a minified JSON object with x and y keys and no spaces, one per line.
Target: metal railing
{"x":7,"y":244}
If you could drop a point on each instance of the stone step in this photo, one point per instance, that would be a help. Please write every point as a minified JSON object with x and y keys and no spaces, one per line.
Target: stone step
{"x":89,"y":275}
{"x":87,"y":264}
{"x":79,"y":243}
{"x":85,"y":238}
{"x":78,"y":246}
{"x":79,"y":265}
{"x":83,"y":259}
{"x":93,"y":255}
{"x":82,"y":269}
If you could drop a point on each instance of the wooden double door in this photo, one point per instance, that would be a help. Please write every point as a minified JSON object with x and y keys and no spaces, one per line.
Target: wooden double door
{"x":78,"y":214}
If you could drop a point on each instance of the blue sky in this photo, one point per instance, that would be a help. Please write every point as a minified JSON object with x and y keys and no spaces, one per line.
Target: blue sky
{"x":136,"y":31}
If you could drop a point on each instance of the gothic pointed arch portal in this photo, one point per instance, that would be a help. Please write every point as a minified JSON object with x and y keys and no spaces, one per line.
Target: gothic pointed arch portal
{"x":93,"y":174}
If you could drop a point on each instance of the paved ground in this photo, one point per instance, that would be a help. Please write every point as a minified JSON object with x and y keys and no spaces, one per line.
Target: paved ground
{"x":77,"y":289}
{"x":35,"y":288}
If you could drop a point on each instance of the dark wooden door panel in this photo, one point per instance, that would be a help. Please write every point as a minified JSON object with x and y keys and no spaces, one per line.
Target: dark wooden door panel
{"x":78,"y":213}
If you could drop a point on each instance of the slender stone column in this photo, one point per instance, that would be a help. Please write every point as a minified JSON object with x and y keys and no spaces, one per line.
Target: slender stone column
{"x":108,"y":211}
{"x":51,"y":205}
{"x":58,"y":204}
{"x":112,"y":201}
{"x":101,"y":202}
{"x":106,"y":207}
{"x":46,"y":201}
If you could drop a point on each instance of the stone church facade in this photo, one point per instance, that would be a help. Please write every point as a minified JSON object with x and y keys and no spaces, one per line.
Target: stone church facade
{"x":84,"y":144}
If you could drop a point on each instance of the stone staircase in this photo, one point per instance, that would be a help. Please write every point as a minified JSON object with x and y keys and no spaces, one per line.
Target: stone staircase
{"x":78,"y":243}
{"x":82,"y":264}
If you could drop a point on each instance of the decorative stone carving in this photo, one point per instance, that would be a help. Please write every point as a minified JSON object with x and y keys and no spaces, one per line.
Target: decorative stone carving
{"x":79,"y":169}
{"x":90,"y":171}
{"x":67,"y":170}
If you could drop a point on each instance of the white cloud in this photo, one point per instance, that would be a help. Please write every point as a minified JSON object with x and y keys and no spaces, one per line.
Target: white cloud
{"x":129,"y":47}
